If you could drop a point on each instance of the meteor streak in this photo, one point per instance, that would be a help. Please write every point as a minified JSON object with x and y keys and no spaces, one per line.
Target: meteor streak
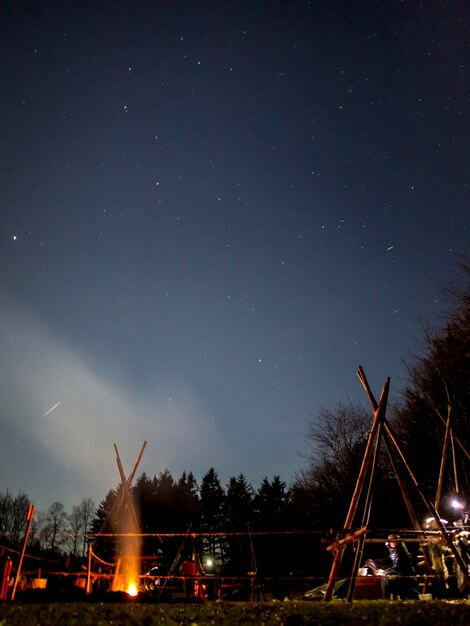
{"x":50,"y":410}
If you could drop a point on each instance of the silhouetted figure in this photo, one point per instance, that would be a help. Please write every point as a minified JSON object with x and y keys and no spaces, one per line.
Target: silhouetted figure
{"x":190,"y":571}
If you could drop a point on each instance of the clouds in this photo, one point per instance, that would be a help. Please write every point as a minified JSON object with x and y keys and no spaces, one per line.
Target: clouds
{"x":72,"y":445}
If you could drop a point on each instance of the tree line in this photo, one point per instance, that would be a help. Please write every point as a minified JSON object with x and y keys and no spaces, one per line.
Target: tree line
{"x":319,"y":496}
{"x":438,"y":386}
{"x":54,"y":532}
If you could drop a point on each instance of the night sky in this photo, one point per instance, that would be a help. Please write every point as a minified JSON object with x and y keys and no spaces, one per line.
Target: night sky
{"x":211,"y":213}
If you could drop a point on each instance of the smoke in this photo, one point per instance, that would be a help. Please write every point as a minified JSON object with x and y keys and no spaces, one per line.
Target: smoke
{"x":61,"y":414}
{"x":129,"y":546}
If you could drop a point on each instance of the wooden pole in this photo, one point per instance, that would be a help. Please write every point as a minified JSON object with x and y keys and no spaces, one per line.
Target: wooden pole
{"x":398,"y":473}
{"x":378,"y":417}
{"x":447,"y":540}
{"x":126,"y":487}
{"x":445,"y":446}
{"x":118,"y":502}
{"x":88,"y":571}
{"x":365,"y":518}
{"x":5,"y":577}
{"x":29,"y":519}
{"x":457,"y":440}
{"x":454,"y":462}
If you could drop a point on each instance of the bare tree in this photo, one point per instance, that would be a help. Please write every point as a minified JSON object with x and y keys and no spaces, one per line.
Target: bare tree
{"x":337,"y":434}
{"x":80,"y":522}
{"x":87,"y":512}
{"x":13,"y":512}
{"x":75,"y":524}
{"x":54,"y":525}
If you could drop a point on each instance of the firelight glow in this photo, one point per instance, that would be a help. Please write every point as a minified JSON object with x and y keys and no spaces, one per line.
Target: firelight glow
{"x":132,"y":589}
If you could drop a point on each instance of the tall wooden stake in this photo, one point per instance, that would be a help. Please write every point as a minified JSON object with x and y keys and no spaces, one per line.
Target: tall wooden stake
{"x":29,"y":520}
{"x":88,"y":571}
{"x":378,"y":417}
{"x":445,"y":446}
{"x":398,"y":473}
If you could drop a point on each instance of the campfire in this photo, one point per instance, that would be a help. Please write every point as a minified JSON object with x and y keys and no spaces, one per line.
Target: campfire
{"x":124,"y":522}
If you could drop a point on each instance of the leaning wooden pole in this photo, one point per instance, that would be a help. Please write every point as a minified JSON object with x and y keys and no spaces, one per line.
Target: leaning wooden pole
{"x":398,"y":473}
{"x":366,"y":516}
{"x":378,"y":417}
{"x":456,"y":439}
{"x":136,"y":464}
{"x":454,"y":462}
{"x":126,"y":487}
{"x":445,"y":447}
{"x":118,"y":502}
{"x":88,"y":571}
{"x":445,"y":535}
{"x":29,"y":520}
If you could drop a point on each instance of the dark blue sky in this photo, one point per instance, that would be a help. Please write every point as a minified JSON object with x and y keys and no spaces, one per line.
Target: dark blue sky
{"x":211,"y":214}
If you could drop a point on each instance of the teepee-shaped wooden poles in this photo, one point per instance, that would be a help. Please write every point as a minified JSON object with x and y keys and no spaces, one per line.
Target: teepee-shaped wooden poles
{"x":381,"y":431}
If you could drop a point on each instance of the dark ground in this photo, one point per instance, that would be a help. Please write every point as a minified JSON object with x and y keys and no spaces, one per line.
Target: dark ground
{"x":289,"y":613}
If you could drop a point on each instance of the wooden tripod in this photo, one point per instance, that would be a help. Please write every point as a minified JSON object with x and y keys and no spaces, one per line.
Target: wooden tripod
{"x":381,"y":430}
{"x":124,"y":497}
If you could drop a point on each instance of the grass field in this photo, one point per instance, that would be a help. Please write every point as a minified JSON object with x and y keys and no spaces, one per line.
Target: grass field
{"x":293,"y":613}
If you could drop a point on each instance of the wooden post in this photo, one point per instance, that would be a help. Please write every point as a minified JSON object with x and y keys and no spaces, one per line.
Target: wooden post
{"x":379,"y":415}
{"x":398,"y":474}
{"x":29,"y":520}
{"x":5,"y":577}
{"x":365,"y":518}
{"x":88,"y":571}
{"x":456,"y":439}
{"x":445,"y":445}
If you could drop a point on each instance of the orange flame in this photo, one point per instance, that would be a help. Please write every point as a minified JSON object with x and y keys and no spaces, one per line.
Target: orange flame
{"x":132,"y":589}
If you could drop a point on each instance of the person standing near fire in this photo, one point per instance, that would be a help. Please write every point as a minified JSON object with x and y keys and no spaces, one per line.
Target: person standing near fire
{"x":189,"y":570}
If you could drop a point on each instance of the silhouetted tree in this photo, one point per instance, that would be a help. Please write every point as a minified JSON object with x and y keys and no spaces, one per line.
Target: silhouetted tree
{"x":439,"y":381}
{"x":53,"y":528}
{"x":187,"y":493}
{"x":104,"y":547}
{"x":212,"y":501}
{"x":13,"y":512}
{"x":336,"y":439}
{"x":79,"y":523}
{"x":239,"y":510}
{"x":87,"y":510}
{"x":270,"y":504}
{"x":75,"y":524}
{"x":273,"y":553}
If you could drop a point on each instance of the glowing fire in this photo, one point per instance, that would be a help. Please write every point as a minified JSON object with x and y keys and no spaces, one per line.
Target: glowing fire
{"x":132,"y":589}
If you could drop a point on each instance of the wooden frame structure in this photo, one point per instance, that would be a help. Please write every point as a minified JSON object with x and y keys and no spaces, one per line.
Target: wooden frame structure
{"x":124,"y":497}
{"x":381,"y":431}
{"x":123,"y":502}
